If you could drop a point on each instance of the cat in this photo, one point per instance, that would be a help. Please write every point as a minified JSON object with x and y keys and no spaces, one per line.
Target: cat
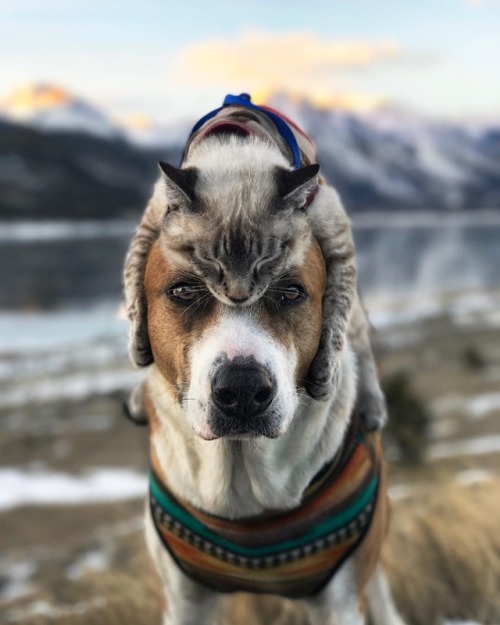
{"x":235,"y":217}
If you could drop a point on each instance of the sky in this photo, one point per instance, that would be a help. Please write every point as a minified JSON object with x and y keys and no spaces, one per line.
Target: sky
{"x":167,"y":60}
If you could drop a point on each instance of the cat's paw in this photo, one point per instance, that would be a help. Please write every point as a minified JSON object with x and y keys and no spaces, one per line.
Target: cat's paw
{"x":323,"y":377}
{"x":372,"y":409}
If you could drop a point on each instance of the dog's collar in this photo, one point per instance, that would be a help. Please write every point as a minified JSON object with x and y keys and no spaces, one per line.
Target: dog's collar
{"x":280,"y":121}
{"x":292,"y":553}
{"x":293,"y":136}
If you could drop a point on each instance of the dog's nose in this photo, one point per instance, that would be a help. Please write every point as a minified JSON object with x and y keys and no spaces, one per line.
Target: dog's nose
{"x":241,"y":390}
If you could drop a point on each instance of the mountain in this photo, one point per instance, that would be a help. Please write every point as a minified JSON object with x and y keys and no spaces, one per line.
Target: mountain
{"x":48,"y":107}
{"x":73,"y":175}
{"x":393,"y":159}
{"x":60,"y":157}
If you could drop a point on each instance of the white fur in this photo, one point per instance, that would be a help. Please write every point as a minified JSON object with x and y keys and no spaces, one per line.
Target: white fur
{"x":246,"y":477}
{"x":188,"y":603}
{"x":232,"y":154}
{"x":237,"y":335}
{"x":223,"y":164}
{"x":338,"y":604}
{"x":380,"y":602}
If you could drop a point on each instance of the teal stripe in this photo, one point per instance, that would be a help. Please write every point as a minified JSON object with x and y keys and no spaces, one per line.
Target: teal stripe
{"x":317,"y":532}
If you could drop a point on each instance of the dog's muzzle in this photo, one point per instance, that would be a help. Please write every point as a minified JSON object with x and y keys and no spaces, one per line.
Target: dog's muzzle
{"x":242,"y":388}
{"x":242,"y":393}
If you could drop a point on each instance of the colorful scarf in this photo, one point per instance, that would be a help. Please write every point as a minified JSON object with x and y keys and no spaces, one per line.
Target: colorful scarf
{"x":292,"y":553}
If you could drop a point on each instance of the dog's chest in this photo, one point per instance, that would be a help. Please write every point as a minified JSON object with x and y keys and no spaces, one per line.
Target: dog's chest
{"x":292,"y":554}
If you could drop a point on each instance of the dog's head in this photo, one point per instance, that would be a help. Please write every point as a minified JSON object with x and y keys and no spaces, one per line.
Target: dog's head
{"x":234,"y":370}
{"x":232,"y":359}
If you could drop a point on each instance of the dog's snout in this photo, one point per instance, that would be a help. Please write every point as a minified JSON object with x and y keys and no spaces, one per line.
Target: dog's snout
{"x":241,"y":390}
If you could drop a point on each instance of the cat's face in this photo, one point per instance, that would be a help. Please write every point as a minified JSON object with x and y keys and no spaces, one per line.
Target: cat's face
{"x":239,"y":264}
{"x":238,"y":230}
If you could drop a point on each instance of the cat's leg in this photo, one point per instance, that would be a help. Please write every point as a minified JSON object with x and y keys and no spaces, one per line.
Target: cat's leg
{"x":332,"y":230}
{"x":371,"y":401}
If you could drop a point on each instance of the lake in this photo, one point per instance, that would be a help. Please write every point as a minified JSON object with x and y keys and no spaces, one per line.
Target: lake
{"x":51,"y":265}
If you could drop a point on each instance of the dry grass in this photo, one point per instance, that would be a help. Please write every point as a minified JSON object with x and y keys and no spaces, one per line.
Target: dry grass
{"x":442,"y":556}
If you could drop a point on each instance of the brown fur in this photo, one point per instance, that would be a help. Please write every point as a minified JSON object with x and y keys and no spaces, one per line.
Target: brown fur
{"x":172,"y":334}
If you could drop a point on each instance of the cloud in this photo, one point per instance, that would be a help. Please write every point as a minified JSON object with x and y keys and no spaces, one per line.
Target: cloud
{"x":295,"y":62}
{"x":264,"y":54}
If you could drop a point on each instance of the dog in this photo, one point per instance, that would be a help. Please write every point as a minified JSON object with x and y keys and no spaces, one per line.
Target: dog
{"x":254,"y":486}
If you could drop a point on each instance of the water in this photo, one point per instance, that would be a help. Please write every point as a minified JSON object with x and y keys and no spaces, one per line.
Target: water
{"x":61,"y":265}
{"x":424,"y":258}
{"x":67,"y":264}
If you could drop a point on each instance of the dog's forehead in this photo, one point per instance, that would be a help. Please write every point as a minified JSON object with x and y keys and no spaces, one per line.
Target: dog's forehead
{"x":163,"y":267}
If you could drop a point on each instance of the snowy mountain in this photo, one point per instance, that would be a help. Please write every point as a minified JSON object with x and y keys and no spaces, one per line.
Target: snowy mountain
{"x":48,"y":107}
{"x":391,"y":159}
{"x":61,"y":156}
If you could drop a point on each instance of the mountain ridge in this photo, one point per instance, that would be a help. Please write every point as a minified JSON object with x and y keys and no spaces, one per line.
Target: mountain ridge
{"x":385,"y":160}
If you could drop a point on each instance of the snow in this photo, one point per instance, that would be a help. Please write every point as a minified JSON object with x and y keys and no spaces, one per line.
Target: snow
{"x":461,"y":623}
{"x":483,"y":405}
{"x":19,"y":576}
{"x":474,"y":476}
{"x":94,"y":560}
{"x":468,"y":308}
{"x":22,"y":488}
{"x":71,"y":387}
{"x":475,"y":407}
{"x":49,"y":107}
{"x":23,"y":331}
{"x":55,"y":612}
{"x":30,"y":231}
{"x":374,"y":220}
{"x":401,"y":491}
{"x":478,"y":446}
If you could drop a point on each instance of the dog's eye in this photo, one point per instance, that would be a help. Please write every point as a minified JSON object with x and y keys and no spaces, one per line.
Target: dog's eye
{"x":182,"y":292}
{"x":292,"y":294}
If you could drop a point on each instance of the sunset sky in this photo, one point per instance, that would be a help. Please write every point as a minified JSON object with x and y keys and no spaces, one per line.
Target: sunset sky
{"x":177,"y":59}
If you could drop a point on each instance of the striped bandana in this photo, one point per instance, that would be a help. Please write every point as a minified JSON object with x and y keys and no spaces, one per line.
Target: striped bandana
{"x":292,"y":553}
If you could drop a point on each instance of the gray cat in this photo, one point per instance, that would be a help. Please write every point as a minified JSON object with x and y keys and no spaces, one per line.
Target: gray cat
{"x":235,"y":216}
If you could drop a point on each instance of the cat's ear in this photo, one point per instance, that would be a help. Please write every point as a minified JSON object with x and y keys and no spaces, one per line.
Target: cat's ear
{"x":295,"y":184}
{"x":180,"y":182}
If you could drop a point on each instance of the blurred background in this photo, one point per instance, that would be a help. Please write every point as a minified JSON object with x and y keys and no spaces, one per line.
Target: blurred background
{"x":403,"y":101}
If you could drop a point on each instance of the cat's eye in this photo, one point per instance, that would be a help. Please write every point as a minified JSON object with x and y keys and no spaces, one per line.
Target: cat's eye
{"x":182,"y":292}
{"x":292,"y":294}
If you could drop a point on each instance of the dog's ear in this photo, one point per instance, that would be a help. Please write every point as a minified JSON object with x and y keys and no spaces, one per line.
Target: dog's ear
{"x":133,"y":278}
{"x":295,"y":184}
{"x":180,"y":182}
